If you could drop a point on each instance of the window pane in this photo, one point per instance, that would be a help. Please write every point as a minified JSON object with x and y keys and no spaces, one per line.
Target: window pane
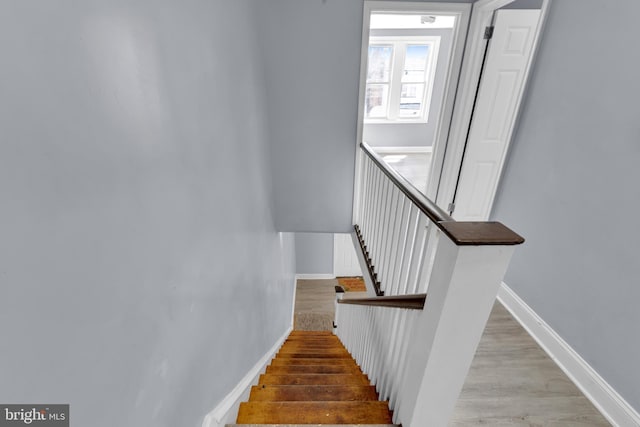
{"x":415,"y":63}
{"x":376,"y":100}
{"x":379,"y":66}
{"x":411,"y":98}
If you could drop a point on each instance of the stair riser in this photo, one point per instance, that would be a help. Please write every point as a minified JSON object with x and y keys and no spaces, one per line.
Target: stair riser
{"x":312,"y":334}
{"x":314,"y":351}
{"x":304,"y":361}
{"x":314,"y":379}
{"x":328,"y":338}
{"x":313,"y":369}
{"x":313,"y":345}
{"x":325,"y":346}
{"x":314,"y":356}
{"x":284,"y":393}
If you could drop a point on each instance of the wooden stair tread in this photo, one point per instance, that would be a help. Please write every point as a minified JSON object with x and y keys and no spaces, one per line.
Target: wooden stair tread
{"x":282,"y":393}
{"x":365,"y":412}
{"x":313,"y":335}
{"x":327,"y":336}
{"x":317,"y":343}
{"x":319,"y":346}
{"x":313,"y":369}
{"x":310,"y":349}
{"x":314,"y":379}
{"x":315,"y":355}
{"x":318,"y":340}
{"x":306,"y":425}
{"x":312,"y":361}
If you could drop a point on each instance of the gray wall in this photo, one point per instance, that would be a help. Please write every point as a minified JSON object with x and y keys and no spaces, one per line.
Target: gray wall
{"x":311,"y":51}
{"x":571,"y":187}
{"x":314,"y":253}
{"x":414,"y":134}
{"x":140,"y":280}
{"x":524,"y":4}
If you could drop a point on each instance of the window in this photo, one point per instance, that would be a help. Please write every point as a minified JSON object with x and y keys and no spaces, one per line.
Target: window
{"x":400,"y":75}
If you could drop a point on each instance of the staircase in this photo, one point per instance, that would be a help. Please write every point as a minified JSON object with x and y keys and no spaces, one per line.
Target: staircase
{"x":313,"y":380}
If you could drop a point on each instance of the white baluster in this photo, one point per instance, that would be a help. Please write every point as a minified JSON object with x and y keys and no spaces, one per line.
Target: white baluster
{"x":364,"y":188}
{"x":429,"y":256}
{"x":379,"y":236}
{"x":400,"y":244}
{"x":417,"y":254}
{"x":407,"y":251}
{"x":376,"y":215}
{"x":389,"y":239}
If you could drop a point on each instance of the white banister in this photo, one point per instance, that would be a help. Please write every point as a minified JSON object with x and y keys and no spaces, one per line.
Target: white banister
{"x":417,"y":348}
{"x":462,"y":291}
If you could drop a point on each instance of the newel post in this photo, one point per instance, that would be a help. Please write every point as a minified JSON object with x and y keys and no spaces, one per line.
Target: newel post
{"x":339,"y":295}
{"x":470,"y":263}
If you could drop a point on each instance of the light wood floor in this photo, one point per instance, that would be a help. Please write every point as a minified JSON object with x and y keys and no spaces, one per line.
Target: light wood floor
{"x":512,"y":381}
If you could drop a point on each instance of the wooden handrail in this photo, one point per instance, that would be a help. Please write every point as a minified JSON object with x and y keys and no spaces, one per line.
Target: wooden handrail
{"x":461,"y":233}
{"x":430,"y":209}
{"x":486,"y":233}
{"x":414,"y":302}
{"x":370,"y":267}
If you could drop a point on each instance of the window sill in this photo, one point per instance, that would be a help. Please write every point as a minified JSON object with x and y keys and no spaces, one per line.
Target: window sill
{"x":395,"y":122}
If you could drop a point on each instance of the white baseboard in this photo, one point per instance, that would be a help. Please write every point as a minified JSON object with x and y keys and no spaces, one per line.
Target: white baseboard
{"x":227,"y":410}
{"x":612,"y":406}
{"x":315,"y":276}
{"x":293,"y":302}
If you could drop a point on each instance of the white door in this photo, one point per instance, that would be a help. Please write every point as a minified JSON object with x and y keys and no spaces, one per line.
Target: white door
{"x":345,"y":259}
{"x":499,"y":94}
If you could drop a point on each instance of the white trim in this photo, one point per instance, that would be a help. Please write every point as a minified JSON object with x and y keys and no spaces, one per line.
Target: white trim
{"x":293,"y":302}
{"x":604,"y":397}
{"x":227,"y":410}
{"x":315,"y":276}
{"x":481,"y":17}
{"x":412,"y":150}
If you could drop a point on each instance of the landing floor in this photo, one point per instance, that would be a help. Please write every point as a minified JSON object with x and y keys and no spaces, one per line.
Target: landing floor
{"x":513,"y":382}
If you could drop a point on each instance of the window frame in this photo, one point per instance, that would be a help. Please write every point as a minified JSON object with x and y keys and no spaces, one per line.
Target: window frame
{"x":400,"y":44}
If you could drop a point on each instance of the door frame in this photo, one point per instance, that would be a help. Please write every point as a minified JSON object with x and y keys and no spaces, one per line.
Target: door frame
{"x":481,"y":17}
{"x":462,"y":11}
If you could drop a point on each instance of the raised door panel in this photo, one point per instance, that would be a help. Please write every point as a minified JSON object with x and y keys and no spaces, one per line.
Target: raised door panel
{"x":500,"y":89}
